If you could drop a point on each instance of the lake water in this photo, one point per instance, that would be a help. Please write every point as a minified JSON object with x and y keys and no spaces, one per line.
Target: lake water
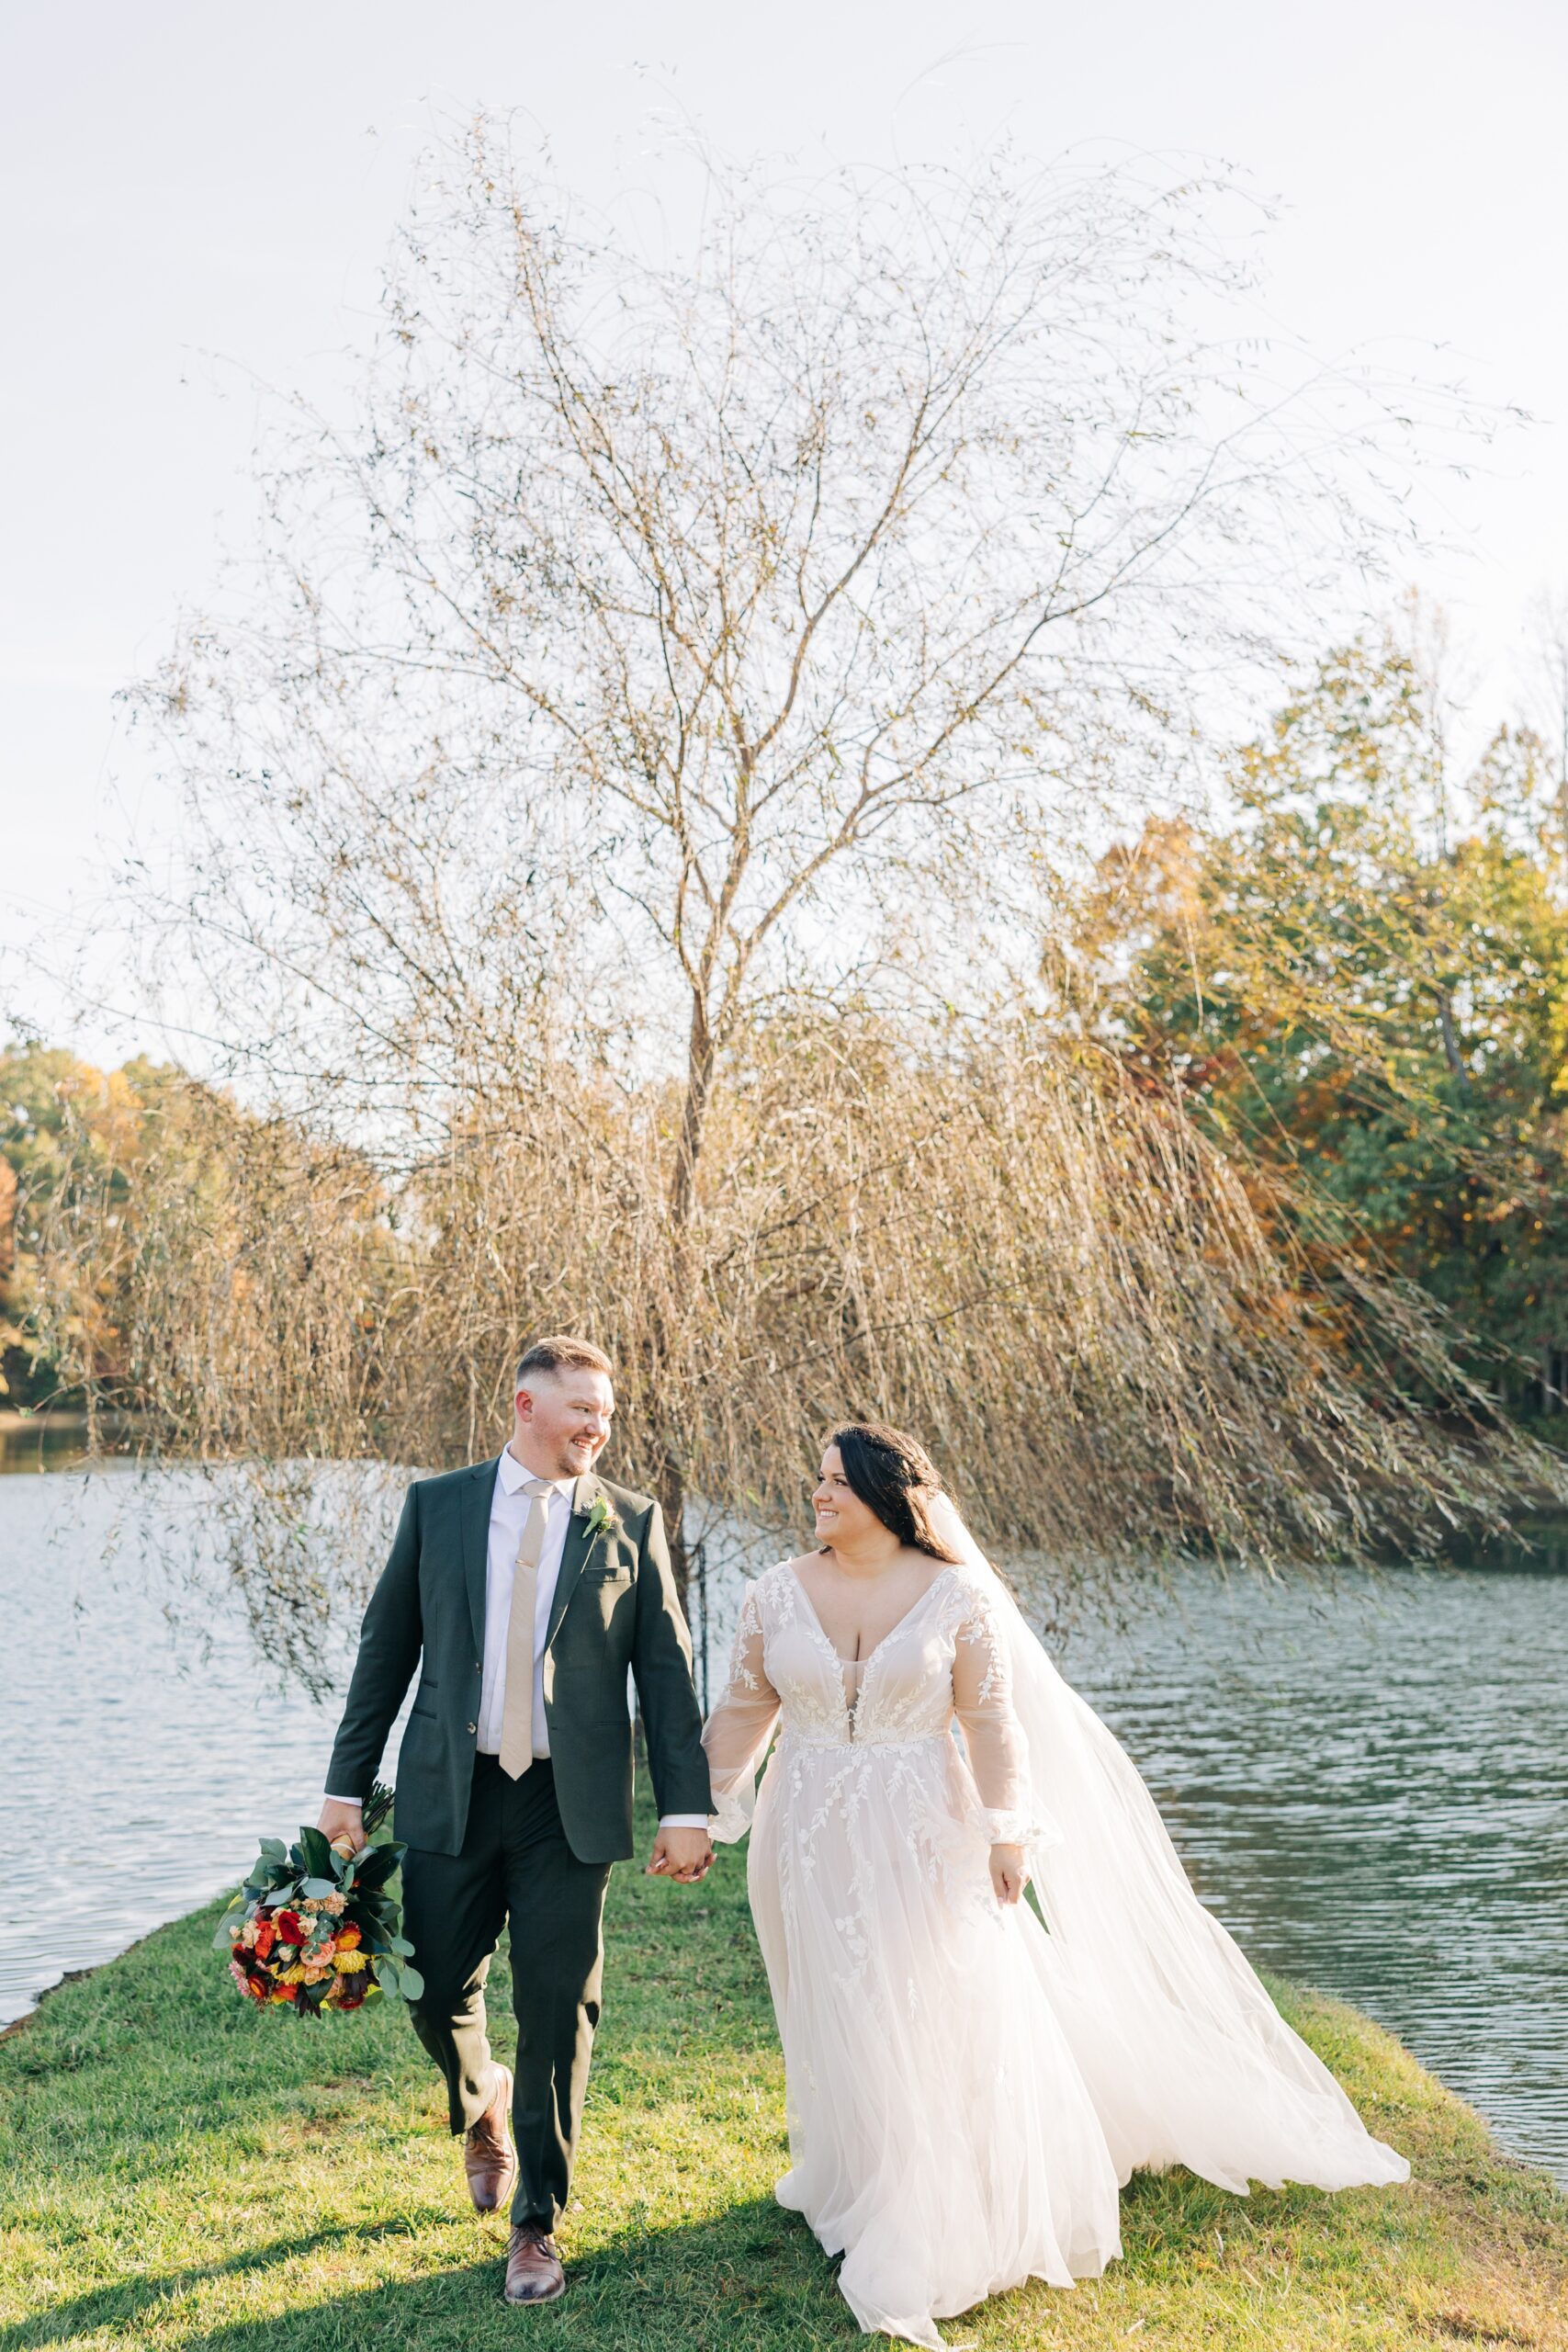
{"x":1371,"y":1791}
{"x":1369,"y":1788}
{"x":146,"y":1749}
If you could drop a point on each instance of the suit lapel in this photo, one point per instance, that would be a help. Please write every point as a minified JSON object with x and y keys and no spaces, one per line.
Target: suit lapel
{"x":574,"y":1553}
{"x":479,"y":1492}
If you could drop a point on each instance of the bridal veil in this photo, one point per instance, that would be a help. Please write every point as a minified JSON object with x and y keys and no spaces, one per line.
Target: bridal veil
{"x":1186,"y":2058}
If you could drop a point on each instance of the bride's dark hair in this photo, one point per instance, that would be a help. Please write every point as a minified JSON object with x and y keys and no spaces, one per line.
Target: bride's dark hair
{"x":894,"y":1477}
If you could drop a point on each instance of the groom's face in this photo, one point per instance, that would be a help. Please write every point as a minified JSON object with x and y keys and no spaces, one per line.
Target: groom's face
{"x":564,"y":1418}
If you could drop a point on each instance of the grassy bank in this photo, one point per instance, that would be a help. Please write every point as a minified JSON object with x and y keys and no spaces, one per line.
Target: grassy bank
{"x":180,"y":2171}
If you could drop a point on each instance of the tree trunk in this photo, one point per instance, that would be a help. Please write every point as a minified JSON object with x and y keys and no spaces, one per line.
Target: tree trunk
{"x":693,"y":1113}
{"x":1451,"y":1053}
{"x":670,"y":1485}
{"x":669,"y":1482}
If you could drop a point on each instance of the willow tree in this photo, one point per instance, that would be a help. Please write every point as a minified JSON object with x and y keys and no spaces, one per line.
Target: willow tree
{"x":659,"y":645}
{"x":1120,"y":1349}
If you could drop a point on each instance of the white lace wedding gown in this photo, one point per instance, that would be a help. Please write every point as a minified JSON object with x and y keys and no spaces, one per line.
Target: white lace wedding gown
{"x":965,"y":2091}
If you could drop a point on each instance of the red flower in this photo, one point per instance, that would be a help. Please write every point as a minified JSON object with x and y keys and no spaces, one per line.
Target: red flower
{"x":256,"y":1987}
{"x":348,"y":1938}
{"x":285,"y":1992}
{"x":289,"y":1928}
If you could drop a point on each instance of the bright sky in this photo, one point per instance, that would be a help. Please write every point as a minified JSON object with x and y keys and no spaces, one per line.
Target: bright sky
{"x":198,"y":198}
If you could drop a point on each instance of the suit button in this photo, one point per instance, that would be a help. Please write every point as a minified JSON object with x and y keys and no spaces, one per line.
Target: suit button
{"x":473,"y":1726}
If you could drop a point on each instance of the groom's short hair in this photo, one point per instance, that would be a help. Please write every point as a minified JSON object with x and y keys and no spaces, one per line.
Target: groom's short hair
{"x":562,"y":1353}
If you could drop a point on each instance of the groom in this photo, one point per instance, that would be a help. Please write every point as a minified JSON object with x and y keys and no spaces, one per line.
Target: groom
{"x":524,"y":1588}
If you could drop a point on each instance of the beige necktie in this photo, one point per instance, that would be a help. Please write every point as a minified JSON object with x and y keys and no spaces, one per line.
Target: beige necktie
{"x":517,"y":1708}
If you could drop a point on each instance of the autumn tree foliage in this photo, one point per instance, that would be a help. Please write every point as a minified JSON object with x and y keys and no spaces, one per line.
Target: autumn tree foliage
{"x":1362,"y":984}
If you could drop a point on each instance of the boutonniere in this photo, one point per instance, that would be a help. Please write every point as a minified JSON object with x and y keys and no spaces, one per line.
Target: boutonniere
{"x":600,"y":1518}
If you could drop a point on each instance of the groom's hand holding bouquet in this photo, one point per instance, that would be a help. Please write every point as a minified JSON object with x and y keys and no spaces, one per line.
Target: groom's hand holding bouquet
{"x":315,"y":1925}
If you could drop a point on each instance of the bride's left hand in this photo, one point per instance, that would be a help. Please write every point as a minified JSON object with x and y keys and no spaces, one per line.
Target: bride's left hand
{"x":1009,"y":1872}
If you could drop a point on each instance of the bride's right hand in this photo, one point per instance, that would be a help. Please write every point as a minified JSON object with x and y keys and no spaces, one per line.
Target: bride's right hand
{"x":1009,"y":1872}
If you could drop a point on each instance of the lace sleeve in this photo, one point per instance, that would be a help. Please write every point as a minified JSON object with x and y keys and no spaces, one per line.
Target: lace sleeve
{"x":999,"y":1753}
{"x":736,"y":1733}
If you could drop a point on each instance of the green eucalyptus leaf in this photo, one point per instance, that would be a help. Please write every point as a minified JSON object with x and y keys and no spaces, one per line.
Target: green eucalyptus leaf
{"x":411,"y":1983}
{"x":317,"y":1852}
{"x":379,"y":1866}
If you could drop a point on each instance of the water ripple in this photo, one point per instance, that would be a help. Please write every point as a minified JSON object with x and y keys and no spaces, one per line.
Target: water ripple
{"x":1371,"y":1790}
{"x":145,"y":1752}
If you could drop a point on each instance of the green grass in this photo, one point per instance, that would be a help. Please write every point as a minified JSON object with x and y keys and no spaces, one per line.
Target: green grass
{"x":182,"y":2170}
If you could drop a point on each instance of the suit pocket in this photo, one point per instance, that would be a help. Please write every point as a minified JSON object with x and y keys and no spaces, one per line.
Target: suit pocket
{"x":613,"y":1572}
{"x":424,"y":1705}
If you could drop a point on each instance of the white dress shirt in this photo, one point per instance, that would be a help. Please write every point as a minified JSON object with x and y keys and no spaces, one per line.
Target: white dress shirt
{"x":508,"y":1511}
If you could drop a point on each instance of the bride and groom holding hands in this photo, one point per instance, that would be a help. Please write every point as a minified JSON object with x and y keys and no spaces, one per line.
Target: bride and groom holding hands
{"x":967,"y":2088}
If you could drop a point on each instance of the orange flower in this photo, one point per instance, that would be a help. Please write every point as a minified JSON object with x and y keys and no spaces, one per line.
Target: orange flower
{"x":348,"y":1938}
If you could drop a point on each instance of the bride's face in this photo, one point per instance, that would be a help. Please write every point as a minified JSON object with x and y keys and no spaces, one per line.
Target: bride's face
{"x":841,"y":1517}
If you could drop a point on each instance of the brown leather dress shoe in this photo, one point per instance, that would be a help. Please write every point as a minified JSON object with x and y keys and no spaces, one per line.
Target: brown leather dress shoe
{"x":488,"y":2157}
{"x":534,"y":2273}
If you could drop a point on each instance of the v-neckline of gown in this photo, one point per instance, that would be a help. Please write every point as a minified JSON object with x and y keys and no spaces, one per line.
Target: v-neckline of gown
{"x":897,"y":1625}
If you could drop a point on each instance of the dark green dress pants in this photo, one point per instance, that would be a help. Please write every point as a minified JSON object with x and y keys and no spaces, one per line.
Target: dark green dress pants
{"x":515,"y":1865}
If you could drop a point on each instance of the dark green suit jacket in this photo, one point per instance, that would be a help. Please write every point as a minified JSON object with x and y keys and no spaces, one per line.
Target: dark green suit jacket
{"x":615,"y":1607}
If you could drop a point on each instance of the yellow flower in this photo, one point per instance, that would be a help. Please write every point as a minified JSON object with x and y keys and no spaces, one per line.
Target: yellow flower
{"x":291,"y":1976}
{"x":349,"y":1963}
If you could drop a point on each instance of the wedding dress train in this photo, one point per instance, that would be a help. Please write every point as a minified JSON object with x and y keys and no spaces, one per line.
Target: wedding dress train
{"x":966,"y":2091}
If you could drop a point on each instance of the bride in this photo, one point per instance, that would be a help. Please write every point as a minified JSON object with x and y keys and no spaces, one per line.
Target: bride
{"x":966,"y":2088}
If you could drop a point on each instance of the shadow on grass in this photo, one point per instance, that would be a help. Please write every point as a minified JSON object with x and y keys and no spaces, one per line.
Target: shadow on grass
{"x":749,"y":2279}
{"x":752,"y":2279}
{"x":129,"y":2301}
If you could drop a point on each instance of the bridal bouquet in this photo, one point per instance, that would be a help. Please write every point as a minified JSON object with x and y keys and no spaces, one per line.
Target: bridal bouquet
{"x":313,"y":1927}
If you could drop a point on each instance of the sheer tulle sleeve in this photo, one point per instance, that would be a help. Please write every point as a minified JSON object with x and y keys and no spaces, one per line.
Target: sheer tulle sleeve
{"x":998,"y":1752}
{"x":736,"y":1735}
